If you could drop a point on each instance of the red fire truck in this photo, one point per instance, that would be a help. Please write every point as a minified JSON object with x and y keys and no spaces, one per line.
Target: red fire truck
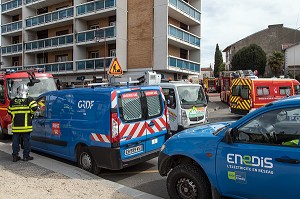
{"x":38,"y":82}
{"x":211,"y":84}
{"x":225,"y":82}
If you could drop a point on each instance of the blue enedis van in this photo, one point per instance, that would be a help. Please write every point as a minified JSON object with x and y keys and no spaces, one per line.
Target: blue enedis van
{"x":101,"y":127}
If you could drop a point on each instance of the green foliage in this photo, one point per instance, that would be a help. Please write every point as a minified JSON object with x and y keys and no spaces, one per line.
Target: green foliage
{"x":218,"y":61}
{"x":251,"y":57}
{"x":276,"y":62}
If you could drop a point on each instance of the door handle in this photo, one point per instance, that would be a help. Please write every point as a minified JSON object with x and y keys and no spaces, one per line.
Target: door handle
{"x":285,"y":160}
{"x":151,"y":123}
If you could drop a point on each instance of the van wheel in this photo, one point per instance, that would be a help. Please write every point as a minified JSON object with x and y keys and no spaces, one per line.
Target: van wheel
{"x":87,"y":162}
{"x":2,"y":135}
{"x":187,"y":181}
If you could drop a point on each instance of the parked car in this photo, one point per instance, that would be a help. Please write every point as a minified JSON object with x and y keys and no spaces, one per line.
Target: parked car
{"x":257,"y":156}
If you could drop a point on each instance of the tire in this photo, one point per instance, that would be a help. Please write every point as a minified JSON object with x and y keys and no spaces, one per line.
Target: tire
{"x":2,"y":135}
{"x":86,"y":161}
{"x":187,"y":181}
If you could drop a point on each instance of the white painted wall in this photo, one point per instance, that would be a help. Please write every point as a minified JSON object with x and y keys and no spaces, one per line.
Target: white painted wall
{"x":292,"y":57}
{"x":160,"y":35}
{"x":121,"y":33}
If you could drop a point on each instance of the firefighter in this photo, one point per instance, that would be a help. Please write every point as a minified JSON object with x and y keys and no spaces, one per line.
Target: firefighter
{"x":21,"y":109}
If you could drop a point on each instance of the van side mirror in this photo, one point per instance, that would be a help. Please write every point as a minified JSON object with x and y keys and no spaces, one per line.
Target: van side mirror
{"x":231,"y":135}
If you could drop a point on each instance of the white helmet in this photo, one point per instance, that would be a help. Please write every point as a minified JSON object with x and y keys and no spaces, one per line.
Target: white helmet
{"x":22,"y":91}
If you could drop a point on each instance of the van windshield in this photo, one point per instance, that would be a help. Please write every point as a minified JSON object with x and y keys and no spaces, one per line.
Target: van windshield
{"x":191,"y":95}
{"x":45,"y":84}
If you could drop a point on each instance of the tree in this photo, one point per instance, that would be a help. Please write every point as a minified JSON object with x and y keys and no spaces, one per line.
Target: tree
{"x":251,"y":57}
{"x":218,"y":61}
{"x":276,"y":62}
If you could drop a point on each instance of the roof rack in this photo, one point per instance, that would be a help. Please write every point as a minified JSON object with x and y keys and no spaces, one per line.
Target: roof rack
{"x":113,"y":84}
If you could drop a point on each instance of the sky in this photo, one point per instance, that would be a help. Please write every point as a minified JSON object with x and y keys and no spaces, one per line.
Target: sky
{"x":226,"y":22}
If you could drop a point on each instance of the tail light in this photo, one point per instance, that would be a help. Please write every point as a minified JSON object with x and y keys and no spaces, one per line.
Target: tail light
{"x":167,"y":117}
{"x":114,"y":125}
{"x":251,"y":103}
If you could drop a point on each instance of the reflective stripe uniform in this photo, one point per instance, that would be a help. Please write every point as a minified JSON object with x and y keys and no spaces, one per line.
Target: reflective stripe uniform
{"x":22,"y":110}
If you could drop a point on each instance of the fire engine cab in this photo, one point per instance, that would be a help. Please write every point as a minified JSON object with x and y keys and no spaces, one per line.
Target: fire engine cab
{"x":38,"y":82}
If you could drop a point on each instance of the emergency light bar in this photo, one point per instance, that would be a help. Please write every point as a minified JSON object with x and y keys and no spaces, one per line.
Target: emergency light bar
{"x":113,"y":84}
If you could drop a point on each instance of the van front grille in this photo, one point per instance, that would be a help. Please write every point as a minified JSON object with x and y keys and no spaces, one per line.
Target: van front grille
{"x":196,"y":119}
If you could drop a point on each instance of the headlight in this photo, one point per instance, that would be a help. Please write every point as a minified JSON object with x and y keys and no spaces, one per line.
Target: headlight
{"x":162,"y":147}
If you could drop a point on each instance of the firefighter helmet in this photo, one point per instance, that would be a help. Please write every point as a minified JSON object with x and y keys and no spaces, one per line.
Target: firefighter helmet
{"x":22,"y":91}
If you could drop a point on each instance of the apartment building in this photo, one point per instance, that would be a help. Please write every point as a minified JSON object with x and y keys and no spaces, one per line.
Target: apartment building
{"x":79,"y":38}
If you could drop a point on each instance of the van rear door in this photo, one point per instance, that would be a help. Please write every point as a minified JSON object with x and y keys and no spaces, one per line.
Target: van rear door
{"x":132,"y":132}
{"x":156,"y":119}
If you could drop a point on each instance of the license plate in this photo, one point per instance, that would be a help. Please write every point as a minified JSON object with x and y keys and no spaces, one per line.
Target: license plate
{"x":133,"y":150}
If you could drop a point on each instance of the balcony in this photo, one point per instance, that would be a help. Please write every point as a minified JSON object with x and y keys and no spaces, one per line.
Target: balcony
{"x":92,"y":10}
{"x":11,"y":29}
{"x":50,"y":44}
{"x":88,"y":37}
{"x":183,"y":65}
{"x":93,"y":64}
{"x":12,"y":7}
{"x":57,"y":67}
{"x":184,"y":12}
{"x":12,"y":50}
{"x":183,"y":39}
{"x":49,"y":20}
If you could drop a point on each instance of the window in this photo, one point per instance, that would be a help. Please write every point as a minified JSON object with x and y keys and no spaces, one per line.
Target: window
{"x":154,"y":105}
{"x":95,"y":26}
{"x":94,"y":54}
{"x":261,"y":91}
{"x":170,"y":93}
{"x":2,"y":94}
{"x":15,"y":40}
{"x":287,"y":90}
{"x":277,"y":127}
{"x":130,"y":105}
{"x":297,"y":89}
{"x":240,"y":90}
{"x":15,"y":61}
{"x":61,"y":58}
{"x":42,"y":58}
{"x":112,"y":52}
{"x":63,"y":32}
{"x":15,"y":18}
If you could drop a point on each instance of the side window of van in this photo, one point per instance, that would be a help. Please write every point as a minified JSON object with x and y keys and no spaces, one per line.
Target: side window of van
{"x":286,"y":90}
{"x":130,"y":107}
{"x":154,"y":103}
{"x":2,"y":96}
{"x":263,"y":90}
{"x":170,"y":93}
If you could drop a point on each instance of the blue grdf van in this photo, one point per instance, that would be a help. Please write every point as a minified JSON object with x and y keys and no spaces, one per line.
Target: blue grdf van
{"x":101,"y":127}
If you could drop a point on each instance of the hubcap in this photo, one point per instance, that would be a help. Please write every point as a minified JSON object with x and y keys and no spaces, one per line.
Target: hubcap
{"x":186,"y":188}
{"x":86,"y":161}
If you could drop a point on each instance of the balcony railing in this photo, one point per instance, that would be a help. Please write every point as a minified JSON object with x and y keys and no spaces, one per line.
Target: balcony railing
{"x":50,"y":17}
{"x":49,"y":42}
{"x":184,"y":64}
{"x":16,"y":48}
{"x":93,"y":64}
{"x":11,"y":27}
{"x":54,"y":67}
{"x":30,"y":1}
{"x":186,"y":8}
{"x":184,"y":36}
{"x":11,"y":5}
{"x":90,"y":35}
{"x":95,"y":6}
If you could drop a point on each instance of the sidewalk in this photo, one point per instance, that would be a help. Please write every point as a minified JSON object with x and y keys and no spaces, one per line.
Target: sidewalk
{"x":47,"y":178}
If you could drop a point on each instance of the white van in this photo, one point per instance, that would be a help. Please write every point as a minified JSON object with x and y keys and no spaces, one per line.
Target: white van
{"x":187,"y":104}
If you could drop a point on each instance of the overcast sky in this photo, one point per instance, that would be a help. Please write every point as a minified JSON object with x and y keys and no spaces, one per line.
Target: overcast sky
{"x":226,"y":22}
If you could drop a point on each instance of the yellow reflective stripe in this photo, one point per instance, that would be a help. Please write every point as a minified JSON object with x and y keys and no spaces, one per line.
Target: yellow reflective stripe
{"x":21,"y":131}
{"x":21,"y":127}
{"x":31,"y":103}
{"x":20,"y":112}
{"x":19,"y":107}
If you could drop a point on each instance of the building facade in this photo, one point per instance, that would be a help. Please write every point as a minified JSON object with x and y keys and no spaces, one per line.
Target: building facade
{"x":292,"y":61}
{"x":270,"y":40}
{"x":79,"y":38}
